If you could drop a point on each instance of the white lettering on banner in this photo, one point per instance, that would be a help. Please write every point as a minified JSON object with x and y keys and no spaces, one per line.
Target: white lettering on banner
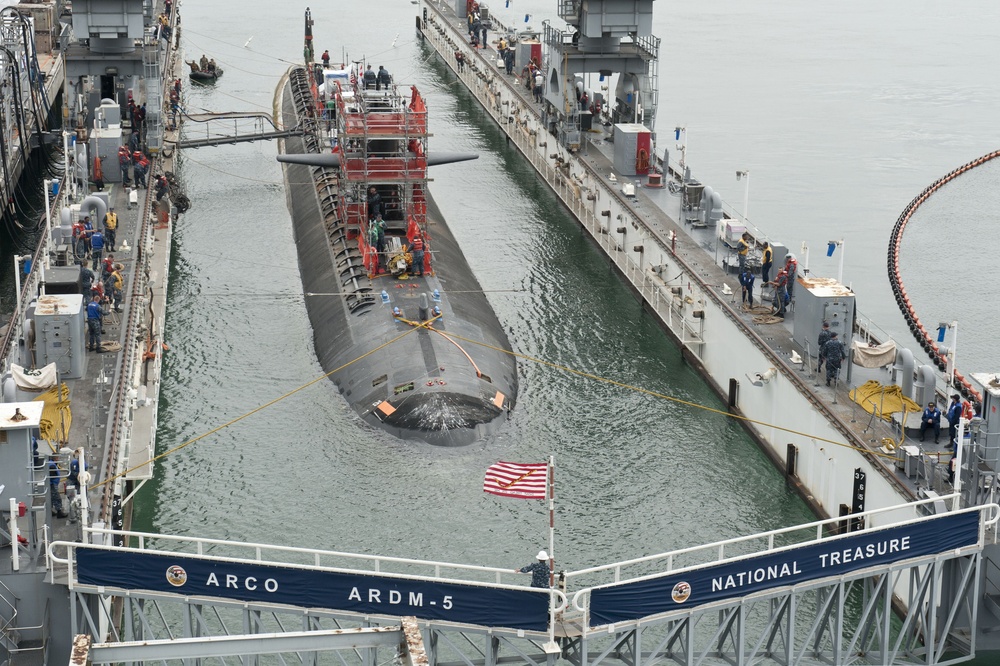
{"x":395,"y":597}
{"x":759,"y":575}
{"x":868,"y":551}
{"x":248,"y":583}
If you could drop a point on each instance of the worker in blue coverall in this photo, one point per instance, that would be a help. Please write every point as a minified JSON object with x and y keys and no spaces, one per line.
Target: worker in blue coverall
{"x":833,"y":354}
{"x":953,"y":414}
{"x":746,"y":280}
{"x":824,"y":337}
{"x":54,"y":476}
{"x":94,"y":317}
{"x":931,"y":418}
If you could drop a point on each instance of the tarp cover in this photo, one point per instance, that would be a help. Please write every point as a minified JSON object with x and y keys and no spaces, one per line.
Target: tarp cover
{"x":881,"y":400}
{"x":56,"y":415}
{"x":36,"y":379}
{"x":874,"y":357}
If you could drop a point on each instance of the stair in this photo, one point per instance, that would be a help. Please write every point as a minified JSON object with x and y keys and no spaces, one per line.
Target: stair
{"x":29,"y":653}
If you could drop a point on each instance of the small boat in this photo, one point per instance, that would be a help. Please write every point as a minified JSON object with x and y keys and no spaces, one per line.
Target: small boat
{"x":203,"y":75}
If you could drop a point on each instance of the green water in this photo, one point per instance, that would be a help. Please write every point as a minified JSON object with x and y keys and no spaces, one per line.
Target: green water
{"x":635,"y":474}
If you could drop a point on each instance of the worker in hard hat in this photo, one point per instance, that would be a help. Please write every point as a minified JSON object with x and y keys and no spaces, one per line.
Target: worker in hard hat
{"x":539,"y":570}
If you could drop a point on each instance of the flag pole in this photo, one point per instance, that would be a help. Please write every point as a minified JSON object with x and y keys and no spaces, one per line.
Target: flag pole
{"x":552,"y":521}
{"x":552,"y":555}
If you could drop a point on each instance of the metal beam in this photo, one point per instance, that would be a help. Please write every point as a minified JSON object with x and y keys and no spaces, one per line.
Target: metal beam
{"x":255,"y":644}
{"x":245,"y":138}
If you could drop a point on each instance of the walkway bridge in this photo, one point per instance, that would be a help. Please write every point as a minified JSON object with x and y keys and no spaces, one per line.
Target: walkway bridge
{"x":216,"y":129}
{"x":903,"y":589}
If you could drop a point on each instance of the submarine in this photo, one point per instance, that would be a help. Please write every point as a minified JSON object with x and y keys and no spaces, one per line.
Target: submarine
{"x":411,"y":343}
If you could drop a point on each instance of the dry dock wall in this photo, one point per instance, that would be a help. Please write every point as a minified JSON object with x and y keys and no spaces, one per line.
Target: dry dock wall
{"x":646,"y":248}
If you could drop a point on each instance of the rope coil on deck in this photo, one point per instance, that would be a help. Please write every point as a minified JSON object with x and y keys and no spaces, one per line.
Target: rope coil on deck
{"x":923,"y":337}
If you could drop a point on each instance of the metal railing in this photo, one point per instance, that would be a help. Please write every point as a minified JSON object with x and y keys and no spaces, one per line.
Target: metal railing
{"x":765,"y":542}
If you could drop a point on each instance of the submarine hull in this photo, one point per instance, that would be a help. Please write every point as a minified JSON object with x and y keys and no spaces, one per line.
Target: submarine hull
{"x":449,"y":382}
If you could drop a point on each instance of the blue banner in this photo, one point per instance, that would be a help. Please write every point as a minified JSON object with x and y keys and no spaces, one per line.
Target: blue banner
{"x":832,"y":557}
{"x":357,"y":593}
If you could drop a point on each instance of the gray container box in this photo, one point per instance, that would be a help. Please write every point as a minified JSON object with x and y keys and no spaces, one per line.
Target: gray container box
{"x":626,"y":140}
{"x":60,"y":336}
{"x":819,"y":299}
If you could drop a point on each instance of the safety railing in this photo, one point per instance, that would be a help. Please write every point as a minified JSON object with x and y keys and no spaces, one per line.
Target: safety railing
{"x":293,"y":556}
{"x":785,"y":538}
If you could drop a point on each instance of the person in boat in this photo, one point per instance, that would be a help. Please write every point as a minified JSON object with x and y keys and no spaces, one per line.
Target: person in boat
{"x":193,"y":65}
{"x":539,"y":570}
{"x":370,"y":79}
{"x":203,"y":62}
{"x":326,"y":59}
{"x":211,"y":66}
{"x":382,"y":79}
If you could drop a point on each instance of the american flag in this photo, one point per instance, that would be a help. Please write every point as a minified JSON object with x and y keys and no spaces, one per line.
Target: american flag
{"x":520,"y":480}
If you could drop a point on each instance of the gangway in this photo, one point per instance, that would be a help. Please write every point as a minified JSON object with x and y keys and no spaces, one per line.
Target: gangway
{"x":231,"y":127}
{"x":904,"y":589}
